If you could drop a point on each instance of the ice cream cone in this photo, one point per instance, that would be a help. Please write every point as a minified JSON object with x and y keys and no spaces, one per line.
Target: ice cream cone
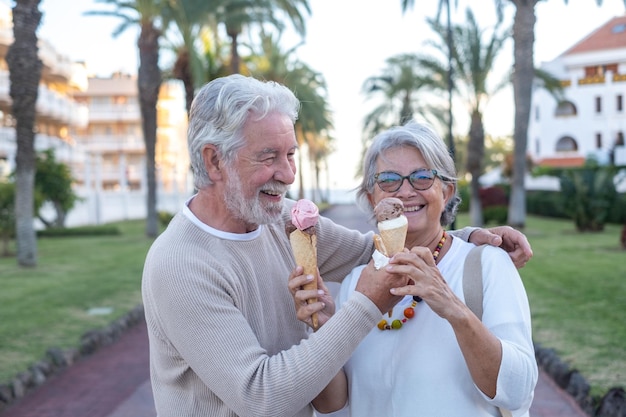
{"x":394,"y":239}
{"x":304,"y":247}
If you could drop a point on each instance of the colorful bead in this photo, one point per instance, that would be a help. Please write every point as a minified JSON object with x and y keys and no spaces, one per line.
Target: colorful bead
{"x":439,"y":246}
{"x":396,"y":324}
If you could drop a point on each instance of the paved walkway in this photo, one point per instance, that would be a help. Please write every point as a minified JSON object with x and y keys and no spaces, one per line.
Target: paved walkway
{"x":114,"y":381}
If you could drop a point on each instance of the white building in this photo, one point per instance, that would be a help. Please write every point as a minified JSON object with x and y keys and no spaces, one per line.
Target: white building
{"x":94,"y":126}
{"x":591,"y":122}
{"x":56,"y":111}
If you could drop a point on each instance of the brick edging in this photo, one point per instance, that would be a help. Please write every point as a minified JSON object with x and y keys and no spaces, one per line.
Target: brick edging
{"x":611,"y":404}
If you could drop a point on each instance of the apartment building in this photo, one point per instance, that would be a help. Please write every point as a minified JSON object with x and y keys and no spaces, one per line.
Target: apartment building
{"x":57,"y":112}
{"x":591,"y":121}
{"x":113,"y":142}
{"x":94,"y":126}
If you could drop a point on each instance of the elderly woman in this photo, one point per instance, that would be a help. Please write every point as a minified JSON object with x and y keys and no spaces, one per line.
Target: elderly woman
{"x":440,"y":359}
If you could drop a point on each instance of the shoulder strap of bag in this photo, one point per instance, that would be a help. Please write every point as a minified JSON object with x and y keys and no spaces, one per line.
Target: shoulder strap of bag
{"x":473,"y":290}
{"x":473,"y":281}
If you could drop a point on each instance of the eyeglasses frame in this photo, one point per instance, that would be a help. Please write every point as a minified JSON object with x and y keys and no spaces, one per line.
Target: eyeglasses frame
{"x":408,"y":177}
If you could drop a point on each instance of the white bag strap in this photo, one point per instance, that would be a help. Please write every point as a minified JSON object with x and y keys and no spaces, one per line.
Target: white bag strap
{"x":473,"y":290}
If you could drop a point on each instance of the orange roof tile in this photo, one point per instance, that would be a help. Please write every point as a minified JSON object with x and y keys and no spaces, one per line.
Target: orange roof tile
{"x":611,"y":35}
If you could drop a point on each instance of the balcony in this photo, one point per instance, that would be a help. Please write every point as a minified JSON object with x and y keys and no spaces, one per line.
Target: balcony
{"x":112,"y":144}
{"x":103,"y":113}
{"x":50,"y":104}
{"x":596,"y":79}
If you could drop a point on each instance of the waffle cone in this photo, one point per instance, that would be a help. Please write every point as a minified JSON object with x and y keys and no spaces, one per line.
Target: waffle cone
{"x":304,"y":247}
{"x":394,"y":239}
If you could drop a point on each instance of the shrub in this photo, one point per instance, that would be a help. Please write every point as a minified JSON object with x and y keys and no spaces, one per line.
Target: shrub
{"x":165,"y":218}
{"x":495,"y":204}
{"x":104,"y":230}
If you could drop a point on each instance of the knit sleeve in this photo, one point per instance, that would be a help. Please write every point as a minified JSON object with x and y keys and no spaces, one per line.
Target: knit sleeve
{"x":224,"y":338}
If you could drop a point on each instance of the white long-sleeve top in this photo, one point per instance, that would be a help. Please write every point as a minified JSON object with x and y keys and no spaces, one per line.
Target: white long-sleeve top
{"x":419,"y":370}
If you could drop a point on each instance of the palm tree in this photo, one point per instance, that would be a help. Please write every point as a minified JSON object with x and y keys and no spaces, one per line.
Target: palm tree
{"x":395,"y":89}
{"x":473,"y":60}
{"x":406,"y":4}
{"x":152,"y":16}
{"x":194,"y":20}
{"x":314,"y":122}
{"x":25,"y":74}
{"x":236,"y":14}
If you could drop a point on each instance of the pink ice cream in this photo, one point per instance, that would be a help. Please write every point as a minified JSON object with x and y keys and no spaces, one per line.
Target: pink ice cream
{"x":304,"y":214}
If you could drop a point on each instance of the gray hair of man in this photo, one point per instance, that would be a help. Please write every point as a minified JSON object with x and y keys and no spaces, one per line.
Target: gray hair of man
{"x":219,"y":113}
{"x":412,"y":135}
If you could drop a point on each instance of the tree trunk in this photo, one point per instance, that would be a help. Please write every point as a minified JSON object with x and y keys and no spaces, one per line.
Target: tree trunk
{"x":149,"y":83}
{"x":235,"y":59}
{"x":523,"y":74}
{"x":25,"y":74}
{"x":182,"y":72}
{"x":475,"y":155}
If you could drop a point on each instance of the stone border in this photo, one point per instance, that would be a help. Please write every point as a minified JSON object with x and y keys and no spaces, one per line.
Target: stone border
{"x":612,"y":404}
{"x":57,"y":359}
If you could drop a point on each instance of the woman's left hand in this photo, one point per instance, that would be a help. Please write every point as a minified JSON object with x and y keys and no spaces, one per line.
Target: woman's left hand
{"x":425,"y":281}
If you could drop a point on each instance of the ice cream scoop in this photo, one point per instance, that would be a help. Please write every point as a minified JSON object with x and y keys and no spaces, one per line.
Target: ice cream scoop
{"x":388,"y":208}
{"x":304,"y":214}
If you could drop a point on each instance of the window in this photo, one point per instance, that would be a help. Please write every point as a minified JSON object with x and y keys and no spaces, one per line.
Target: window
{"x":566,"y":144}
{"x":619,"y":141}
{"x":598,"y":140}
{"x":619,"y":104}
{"x":598,"y":104}
{"x":537,"y":146}
{"x":537,"y":113}
{"x":565,"y":108}
{"x":619,"y":28}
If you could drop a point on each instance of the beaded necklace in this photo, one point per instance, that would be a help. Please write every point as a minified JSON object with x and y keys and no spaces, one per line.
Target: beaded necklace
{"x":409,"y":312}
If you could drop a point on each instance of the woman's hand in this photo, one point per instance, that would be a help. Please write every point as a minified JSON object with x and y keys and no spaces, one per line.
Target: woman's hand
{"x":325,"y":305}
{"x":426,"y":282}
{"x":511,"y":240}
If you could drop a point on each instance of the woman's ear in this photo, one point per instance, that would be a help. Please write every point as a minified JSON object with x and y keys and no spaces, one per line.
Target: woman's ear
{"x":212,"y":162}
{"x":448,"y":192}
{"x":370,"y":198}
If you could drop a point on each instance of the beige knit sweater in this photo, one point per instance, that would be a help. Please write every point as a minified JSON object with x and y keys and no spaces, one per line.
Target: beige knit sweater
{"x":224,"y":337}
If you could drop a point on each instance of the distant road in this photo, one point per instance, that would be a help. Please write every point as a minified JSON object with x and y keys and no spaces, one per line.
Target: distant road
{"x":350,"y":216}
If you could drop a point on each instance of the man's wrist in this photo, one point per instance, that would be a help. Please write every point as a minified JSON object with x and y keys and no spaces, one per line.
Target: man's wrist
{"x":464,"y":233}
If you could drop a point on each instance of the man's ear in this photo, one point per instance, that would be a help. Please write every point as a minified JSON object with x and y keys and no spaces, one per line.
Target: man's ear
{"x":212,"y":162}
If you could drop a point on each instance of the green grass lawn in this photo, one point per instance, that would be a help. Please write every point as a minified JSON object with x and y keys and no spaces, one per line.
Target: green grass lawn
{"x":48,"y":306}
{"x":576,"y":285}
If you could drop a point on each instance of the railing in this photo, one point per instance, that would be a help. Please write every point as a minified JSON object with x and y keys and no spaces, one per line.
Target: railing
{"x":112,"y":143}
{"x":596,"y":79}
{"x":121,"y":112}
{"x":50,"y":104}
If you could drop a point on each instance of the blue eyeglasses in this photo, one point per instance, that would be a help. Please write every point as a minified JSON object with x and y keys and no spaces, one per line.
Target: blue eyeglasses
{"x":420,"y":180}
